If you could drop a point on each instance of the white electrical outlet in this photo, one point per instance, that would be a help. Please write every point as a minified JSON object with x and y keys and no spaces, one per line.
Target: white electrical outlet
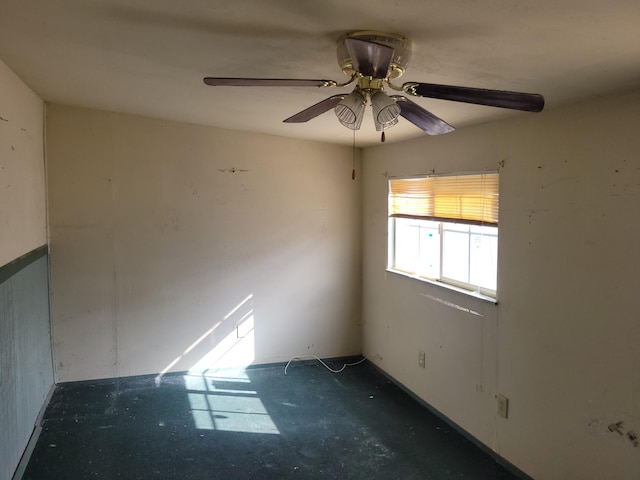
{"x":503,"y":406}
{"x":422,"y":359}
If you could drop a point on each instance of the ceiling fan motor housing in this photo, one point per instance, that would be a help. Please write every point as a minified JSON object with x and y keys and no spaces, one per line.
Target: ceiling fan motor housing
{"x":401,"y":51}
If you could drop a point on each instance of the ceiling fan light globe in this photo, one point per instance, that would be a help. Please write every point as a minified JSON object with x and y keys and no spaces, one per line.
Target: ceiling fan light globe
{"x":385,"y":109}
{"x":350,"y":111}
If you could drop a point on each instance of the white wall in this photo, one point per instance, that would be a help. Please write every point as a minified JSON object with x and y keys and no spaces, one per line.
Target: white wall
{"x":156,"y":240}
{"x":22,"y":190}
{"x":563,"y":343}
{"x":26,"y":374}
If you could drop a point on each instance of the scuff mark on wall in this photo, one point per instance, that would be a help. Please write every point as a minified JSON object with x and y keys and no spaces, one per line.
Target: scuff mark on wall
{"x":4,"y":119}
{"x":619,"y":428}
{"x":232,"y":170}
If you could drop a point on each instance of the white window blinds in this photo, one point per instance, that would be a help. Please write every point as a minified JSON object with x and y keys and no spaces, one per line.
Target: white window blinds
{"x":470,"y":199}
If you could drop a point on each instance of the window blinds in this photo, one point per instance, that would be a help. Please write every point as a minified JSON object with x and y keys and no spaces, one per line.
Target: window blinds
{"x":470,"y":199}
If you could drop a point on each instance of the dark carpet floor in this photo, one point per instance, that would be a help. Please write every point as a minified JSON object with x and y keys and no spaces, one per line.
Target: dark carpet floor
{"x":251,"y":424}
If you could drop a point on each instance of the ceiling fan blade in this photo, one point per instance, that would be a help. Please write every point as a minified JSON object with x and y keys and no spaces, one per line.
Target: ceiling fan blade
{"x":266,"y":82}
{"x":368,"y":58}
{"x":528,"y":102}
{"x":314,"y":110}
{"x":420,"y":117}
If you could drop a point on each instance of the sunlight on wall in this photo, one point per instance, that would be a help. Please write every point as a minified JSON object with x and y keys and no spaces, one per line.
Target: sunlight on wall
{"x":232,"y":351}
{"x":237,"y":349}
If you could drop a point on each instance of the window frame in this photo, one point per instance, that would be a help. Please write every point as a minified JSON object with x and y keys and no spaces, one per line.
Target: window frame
{"x":478,"y":291}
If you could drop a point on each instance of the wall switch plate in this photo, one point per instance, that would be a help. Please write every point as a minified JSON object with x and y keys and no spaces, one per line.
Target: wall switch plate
{"x":503,"y":406}
{"x":422,"y":359}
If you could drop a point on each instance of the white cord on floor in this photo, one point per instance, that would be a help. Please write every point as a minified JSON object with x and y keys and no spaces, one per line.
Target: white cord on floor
{"x":325,"y":365}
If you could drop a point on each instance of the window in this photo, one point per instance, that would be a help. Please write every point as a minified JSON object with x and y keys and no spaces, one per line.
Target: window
{"x":445,"y":229}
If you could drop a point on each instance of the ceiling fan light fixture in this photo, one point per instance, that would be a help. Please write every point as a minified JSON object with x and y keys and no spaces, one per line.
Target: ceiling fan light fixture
{"x":385,"y":110}
{"x":350,"y":110}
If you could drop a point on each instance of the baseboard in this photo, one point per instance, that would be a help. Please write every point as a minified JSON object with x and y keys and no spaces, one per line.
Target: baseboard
{"x":497,"y":457}
{"x":338,"y":362}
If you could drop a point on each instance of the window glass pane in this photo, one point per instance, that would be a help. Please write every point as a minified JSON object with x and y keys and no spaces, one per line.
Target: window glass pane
{"x":455,"y":255}
{"x":429,"y":250}
{"x":484,"y":260}
{"x":407,"y":242}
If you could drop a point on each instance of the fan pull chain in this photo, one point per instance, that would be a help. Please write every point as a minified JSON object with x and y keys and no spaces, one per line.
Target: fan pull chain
{"x":382,"y":137}
{"x":353,"y":171}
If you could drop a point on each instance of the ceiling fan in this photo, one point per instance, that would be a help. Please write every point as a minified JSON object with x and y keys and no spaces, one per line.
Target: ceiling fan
{"x":373,"y":60}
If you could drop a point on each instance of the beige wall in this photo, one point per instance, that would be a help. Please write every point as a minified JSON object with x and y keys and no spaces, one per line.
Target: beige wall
{"x":563,"y":343}
{"x":165,"y":237}
{"x":22,"y":183}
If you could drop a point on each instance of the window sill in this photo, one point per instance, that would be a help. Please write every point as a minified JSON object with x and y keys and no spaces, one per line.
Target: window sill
{"x":484,"y":298}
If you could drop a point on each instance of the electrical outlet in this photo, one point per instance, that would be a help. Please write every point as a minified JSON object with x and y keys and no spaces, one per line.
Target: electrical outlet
{"x":503,"y":406}
{"x":422,"y":359}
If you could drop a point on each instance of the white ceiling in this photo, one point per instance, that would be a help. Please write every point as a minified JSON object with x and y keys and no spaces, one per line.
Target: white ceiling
{"x":148,"y":57}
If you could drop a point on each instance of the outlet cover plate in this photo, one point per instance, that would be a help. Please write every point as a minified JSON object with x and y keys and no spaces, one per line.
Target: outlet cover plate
{"x":503,"y":406}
